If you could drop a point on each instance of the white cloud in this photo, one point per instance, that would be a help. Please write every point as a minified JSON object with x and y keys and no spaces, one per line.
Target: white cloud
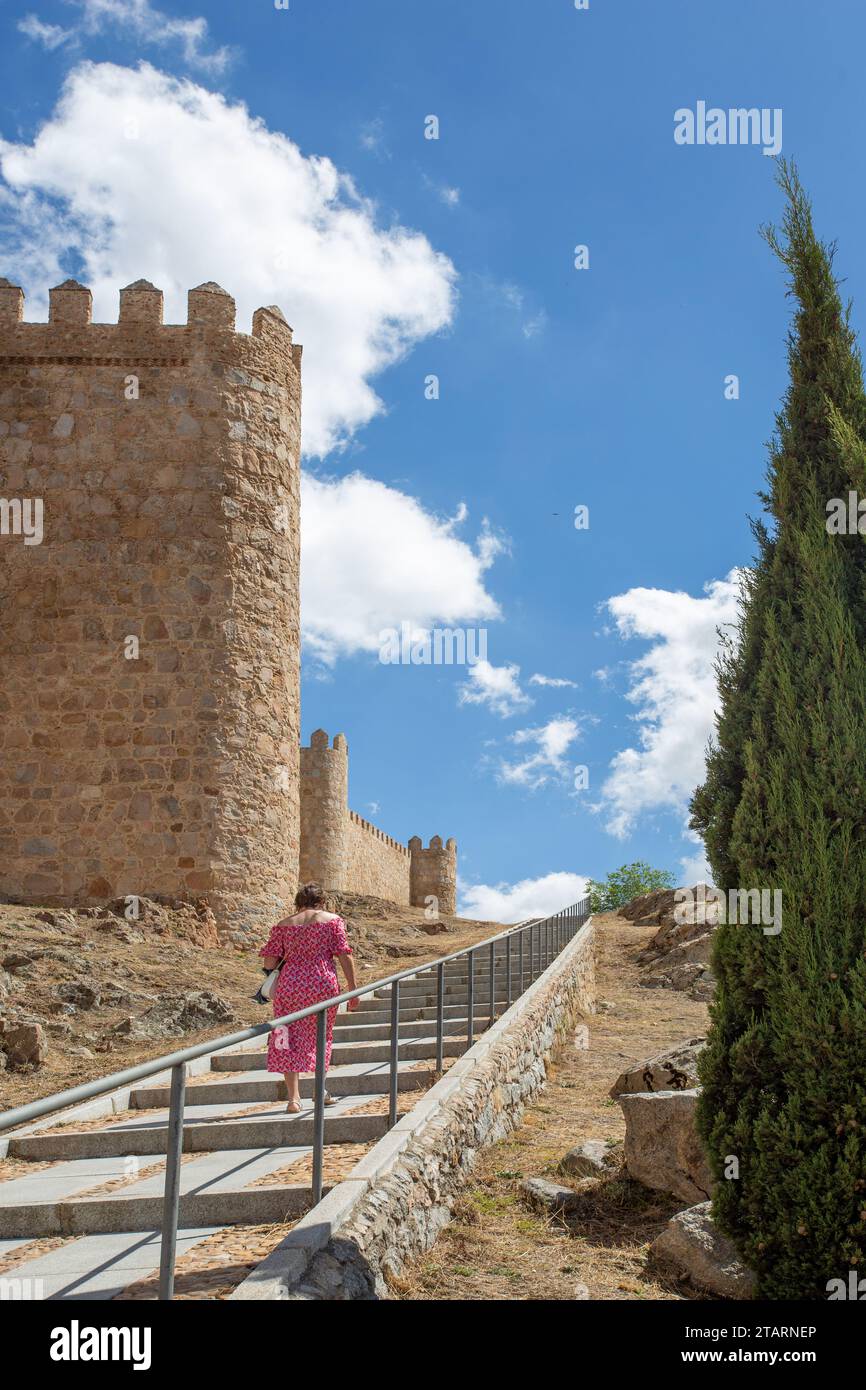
{"x":694,"y":869}
{"x":556,"y":682}
{"x":674,"y":688}
{"x":444,"y":192}
{"x":531,"y":897}
{"x":141,"y":175}
{"x":149,"y":25}
{"x":372,"y":138}
{"x":535,"y":325}
{"x":373,"y":558}
{"x":552,"y":741}
{"x":513,"y":296}
{"x":498,"y":687}
{"x":51,"y":36}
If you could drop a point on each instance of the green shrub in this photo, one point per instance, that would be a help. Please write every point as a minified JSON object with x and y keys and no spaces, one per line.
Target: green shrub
{"x":625,"y":883}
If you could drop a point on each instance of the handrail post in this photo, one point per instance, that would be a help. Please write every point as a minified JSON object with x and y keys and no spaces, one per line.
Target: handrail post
{"x":319,"y":1103}
{"x":171,"y":1199}
{"x":492,"y":983}
{"x":508,"y":954}
{"x":440,"y":1017}
{"x":395,"y":1053}
{"x":470,"y":998}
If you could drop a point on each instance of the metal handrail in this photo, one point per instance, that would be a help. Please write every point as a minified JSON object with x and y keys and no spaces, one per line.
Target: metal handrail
{"x":558,"y":931}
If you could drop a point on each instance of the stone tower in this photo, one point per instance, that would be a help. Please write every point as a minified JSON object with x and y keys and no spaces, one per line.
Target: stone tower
{"x":433,"y":873}
{"x":149,"y":646}
{"x":324,"y":811}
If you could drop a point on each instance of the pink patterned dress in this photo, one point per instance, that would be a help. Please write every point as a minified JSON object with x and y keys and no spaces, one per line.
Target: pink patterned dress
{"x":307,"y":976}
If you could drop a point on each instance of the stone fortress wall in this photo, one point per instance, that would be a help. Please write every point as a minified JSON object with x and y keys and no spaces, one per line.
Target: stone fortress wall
{"x":344,"y":852}
{"x":149,"y":645}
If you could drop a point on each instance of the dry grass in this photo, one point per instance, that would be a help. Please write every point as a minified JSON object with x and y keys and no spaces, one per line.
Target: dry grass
{"x":497,"y":1247}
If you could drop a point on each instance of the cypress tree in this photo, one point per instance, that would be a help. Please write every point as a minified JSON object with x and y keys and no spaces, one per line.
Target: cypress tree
{"x":783,"y":806}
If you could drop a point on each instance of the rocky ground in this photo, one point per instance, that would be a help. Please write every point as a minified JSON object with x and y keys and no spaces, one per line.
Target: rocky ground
{"x":677,"y":955}
{"x":84,"y":993}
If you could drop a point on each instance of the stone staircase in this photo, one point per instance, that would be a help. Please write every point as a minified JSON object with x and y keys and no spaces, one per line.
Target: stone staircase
{"x":84,"y":1222}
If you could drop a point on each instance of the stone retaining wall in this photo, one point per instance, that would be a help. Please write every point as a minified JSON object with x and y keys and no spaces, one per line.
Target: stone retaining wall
{"x":400,"y":1195}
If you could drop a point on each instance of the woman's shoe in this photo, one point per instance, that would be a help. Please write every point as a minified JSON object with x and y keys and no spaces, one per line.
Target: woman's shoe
{"x":329,"y":1099}
{"x":294,"y":1107}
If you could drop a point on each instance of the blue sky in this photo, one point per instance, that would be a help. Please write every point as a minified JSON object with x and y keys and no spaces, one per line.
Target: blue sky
{"x":403,"y":257}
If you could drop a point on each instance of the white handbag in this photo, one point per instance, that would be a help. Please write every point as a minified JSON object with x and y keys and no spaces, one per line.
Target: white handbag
{"x":267,"y":988}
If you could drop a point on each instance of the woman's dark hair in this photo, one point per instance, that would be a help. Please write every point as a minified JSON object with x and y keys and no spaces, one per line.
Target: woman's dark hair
{"x":309,"y":895}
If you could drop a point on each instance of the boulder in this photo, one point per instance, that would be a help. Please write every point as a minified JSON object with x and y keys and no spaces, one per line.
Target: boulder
{"x":695,"y":951}
{"x":588,"y":1160}
{"x":662,"y":1147}
{"x":5,"y":985}
{"x":703,"y":988}
{"x":77,"y":993}
{"x":675,"y":924}
{"x":684,"y":976}
{"x":174,"y":1014}
{"x":674,"y":1070}
{"x":25,"y":1044}
{"x":22,"y":965}
{"x":649,"y":908}
{"x":692,"y":1247}
{"x":549,"y":1197}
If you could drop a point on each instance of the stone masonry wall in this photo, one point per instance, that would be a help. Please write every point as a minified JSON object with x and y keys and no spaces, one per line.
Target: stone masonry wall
{"x":149,"y":653}
{"x":376,"y":864}
{"x":346,"y":853}
{"x":400,"y":1195}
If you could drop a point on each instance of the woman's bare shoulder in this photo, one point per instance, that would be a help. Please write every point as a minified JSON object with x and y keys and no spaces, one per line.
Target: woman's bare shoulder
{"x":305,"y":917}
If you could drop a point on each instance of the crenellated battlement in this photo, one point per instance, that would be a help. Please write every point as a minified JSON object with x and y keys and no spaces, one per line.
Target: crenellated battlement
{"x":344,"y":851}
{"x":211,"y":313}
{"x":379,"y":834}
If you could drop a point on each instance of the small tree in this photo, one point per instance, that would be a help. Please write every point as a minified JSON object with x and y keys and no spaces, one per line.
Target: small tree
{"x":625,"y":883}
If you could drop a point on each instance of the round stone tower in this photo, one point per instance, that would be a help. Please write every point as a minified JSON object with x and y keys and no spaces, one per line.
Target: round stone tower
{"x":325,"y":811}
{"x":149,"y":644}
{"x":433,"y":874}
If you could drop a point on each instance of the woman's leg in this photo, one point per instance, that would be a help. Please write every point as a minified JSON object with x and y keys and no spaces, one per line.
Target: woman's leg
{"x":291,"y":1080}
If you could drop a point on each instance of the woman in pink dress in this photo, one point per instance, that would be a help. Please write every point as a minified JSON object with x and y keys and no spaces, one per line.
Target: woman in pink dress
{"x":308,"y":943}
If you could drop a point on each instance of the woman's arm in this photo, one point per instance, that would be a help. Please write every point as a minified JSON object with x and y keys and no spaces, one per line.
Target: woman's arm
{"x":270,"y":961}
{"x":347,"y":965}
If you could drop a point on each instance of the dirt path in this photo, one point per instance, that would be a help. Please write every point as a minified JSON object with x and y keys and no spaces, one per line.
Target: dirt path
{"x":496,"y":1247}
